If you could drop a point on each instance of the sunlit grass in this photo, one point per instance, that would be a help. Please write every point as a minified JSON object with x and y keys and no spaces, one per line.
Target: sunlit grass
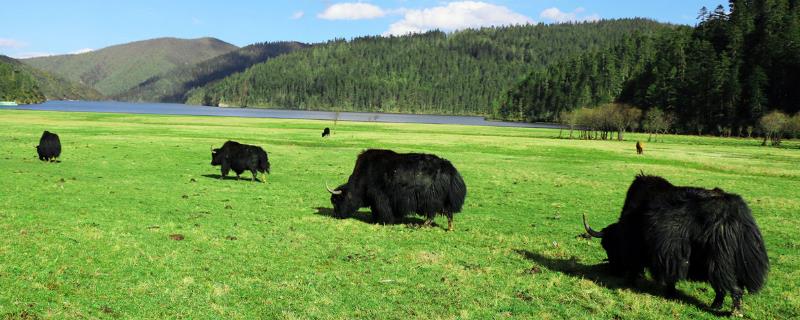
{"x":90,"y":236}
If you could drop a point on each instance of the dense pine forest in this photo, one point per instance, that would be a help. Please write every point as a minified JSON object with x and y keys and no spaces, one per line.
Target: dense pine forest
{"x":172,"y":86}
{"x":721,"y":76}
{"x":459,"y":73}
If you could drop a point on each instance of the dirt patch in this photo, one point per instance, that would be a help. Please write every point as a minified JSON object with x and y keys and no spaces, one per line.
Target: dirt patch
{"x":534,"y":270}
{"x":524,"y":296}
{"x":176,"y":237}
{"x":22,"y":315}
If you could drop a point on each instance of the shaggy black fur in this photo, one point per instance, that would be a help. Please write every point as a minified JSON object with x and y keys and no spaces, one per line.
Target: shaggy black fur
{"x":240,"y":157}
{"x":49,"y":147}
{"x":686,"y":233}
{"x":326,"y":132}
{"x":394,"y":185}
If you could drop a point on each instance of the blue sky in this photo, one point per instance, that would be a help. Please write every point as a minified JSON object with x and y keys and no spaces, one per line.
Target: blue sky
{"x":31,"y":27}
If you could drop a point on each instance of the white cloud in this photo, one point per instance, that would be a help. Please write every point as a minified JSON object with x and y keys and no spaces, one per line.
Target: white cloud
{"x":11,"y":43}
{"x":85,"y":50}
{"x":352,"y":11}
{"x":556,"y":15}
{"x":298,"y":15}
{"x":456,"y":16}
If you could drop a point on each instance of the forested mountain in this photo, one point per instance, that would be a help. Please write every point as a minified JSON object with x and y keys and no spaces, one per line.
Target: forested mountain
{"x":735,"y":66}
{"x":118,"y":68}
{"x":593,"y":78}
{"x":460,"y":73}
{"x":24,"y":84}
{"x":172,"y":85}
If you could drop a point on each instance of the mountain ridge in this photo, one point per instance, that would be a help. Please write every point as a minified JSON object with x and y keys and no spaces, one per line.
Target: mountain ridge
{"x":25,"y":84}
{"x":173,"y":85}
{"x":117,"y":68}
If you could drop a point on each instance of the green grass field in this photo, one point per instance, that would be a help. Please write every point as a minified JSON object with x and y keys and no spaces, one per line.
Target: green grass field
{"x":90,"y":237}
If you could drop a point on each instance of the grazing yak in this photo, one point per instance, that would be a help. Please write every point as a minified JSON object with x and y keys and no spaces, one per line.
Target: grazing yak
{"x":639,"y":147}
{"x":240,"y":157}
{"x":326,"y":132}
{"x":681,"y":233}
{"x":49,"y":147}
{"x":394,"y":185}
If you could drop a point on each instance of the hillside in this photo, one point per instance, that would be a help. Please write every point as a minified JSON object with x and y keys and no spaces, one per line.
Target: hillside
{"x":116,"y":69}
{"x":25,"y":84}
{"x":458,"y":73}
{"x":172,"y":86}
{"x":718,"y":77}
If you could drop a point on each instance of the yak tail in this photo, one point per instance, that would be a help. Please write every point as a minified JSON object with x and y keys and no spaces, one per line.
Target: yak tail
{"x":263,"y":163}
{"x":752,"y":263}
{"x":457,"y":192}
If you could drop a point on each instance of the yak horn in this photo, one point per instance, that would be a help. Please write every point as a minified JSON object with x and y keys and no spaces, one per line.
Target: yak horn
{"x":331,"y":190}
{"x":212,"y":147}
{"x":589,"y":229}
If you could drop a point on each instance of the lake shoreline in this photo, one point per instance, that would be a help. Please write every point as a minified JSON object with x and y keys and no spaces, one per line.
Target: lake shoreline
{"x":184,"y":109}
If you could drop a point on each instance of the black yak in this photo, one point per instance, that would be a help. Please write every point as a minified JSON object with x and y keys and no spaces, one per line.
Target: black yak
{"x":639,"y":147}
{"x":49,"y":147}
{"x":326,"y":132}
{"x":240,"y":157}
{"x":681,"y":233}
{"x":394,"y":185}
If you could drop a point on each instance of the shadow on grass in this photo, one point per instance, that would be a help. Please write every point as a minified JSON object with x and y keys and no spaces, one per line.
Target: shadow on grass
{"x":602,"y":275}
{"x":243,"y":178}
{"x":366,"y":217}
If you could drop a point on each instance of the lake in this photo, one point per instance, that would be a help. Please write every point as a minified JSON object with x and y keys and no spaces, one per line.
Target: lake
{"x":182,"y":109}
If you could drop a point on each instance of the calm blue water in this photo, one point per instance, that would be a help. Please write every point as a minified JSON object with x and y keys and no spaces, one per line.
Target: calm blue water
{"x":182,"y":109}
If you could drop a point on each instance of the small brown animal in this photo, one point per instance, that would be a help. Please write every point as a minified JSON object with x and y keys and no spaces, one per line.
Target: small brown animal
{"x":639,"y":147}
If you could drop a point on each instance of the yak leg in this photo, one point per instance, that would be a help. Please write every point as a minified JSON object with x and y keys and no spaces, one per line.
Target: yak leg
{"x":736,"y":294}
{"x":670,"y":290}
{"x":255,"y":173}
{"x":428,"y":221}
{"x":224,"y":171}
{"x":382,"y":211}
{"x":719,"y":298}
{"x":449,"y":221}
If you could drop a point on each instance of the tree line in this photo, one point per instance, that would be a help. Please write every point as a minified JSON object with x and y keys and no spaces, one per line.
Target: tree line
{"x":463,"y":72}
{"x":721,"y":76}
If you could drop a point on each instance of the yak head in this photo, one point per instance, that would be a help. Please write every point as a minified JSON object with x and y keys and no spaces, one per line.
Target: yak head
{"x":345,"y":202}
{"x":216,"y":156}
{"x":613,"y":241}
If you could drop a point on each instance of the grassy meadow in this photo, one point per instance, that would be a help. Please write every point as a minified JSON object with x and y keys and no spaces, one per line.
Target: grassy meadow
{"x":95,"y":235}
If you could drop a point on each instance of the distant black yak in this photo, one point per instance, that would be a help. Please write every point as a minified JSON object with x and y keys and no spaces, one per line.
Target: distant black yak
{"x":326,"y":132}
{"x":49,"y":147}
{"x":240,"y":157}
{"x":394,"y":185}
{"x":639,"y":147}
{"x":681,"y":233}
